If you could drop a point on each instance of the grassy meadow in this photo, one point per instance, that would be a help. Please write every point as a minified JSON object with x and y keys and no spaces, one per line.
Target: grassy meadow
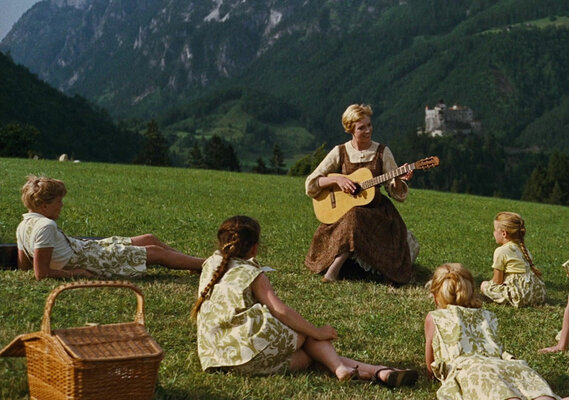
{"x":377,"y":323}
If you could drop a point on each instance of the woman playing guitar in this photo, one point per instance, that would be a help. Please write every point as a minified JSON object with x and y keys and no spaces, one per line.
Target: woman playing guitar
{"x":374,"y":235}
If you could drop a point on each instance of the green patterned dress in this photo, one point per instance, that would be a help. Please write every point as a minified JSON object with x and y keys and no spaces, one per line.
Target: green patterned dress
{"x":521,"y":286}
{"x":471,"y":364}
{"x":236,"y":332}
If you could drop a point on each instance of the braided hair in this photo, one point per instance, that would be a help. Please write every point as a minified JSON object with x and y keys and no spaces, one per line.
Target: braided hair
{"x":236,"y":236}
{"x":453,"y":284}
{"x":514,"y":225}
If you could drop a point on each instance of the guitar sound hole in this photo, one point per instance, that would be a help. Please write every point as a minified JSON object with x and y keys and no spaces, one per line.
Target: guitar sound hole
{"x":358,"y":190}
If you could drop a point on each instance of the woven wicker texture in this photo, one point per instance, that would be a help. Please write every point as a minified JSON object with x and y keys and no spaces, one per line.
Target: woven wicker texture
{"x":108,"y":362}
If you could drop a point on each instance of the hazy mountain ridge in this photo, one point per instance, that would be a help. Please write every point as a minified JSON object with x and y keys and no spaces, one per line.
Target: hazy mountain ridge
{"x":130,"y":55}
{"x":504,"y":59}
{"x":65,"y":124}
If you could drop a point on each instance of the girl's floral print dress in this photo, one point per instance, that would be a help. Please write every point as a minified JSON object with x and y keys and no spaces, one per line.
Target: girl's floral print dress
{"x":471,"y":363}
{"x":235,"y":331}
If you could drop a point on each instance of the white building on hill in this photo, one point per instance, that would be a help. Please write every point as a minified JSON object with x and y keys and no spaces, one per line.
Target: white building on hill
{"x":441,"y":120}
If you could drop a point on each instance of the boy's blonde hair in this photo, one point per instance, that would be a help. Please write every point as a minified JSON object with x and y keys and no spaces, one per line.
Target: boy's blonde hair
{"x":40,"y":190}
{"x":453,"y":284}
{"x":353,"y":114}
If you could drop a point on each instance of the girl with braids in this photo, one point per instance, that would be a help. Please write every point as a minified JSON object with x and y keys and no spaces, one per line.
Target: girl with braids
{"x":516,"y":280}
{"x":462,"y":348}
{"x":243,"y":327}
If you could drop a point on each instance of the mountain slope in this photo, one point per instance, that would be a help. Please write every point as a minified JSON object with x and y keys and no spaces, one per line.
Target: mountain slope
{"x":132,"y":56}
{"x":504,"y":59}
{"x":66,"y":124}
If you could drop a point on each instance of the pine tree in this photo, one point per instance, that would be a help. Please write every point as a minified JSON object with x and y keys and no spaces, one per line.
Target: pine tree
{"x":196,"y":157}
{"x":17,"y":140}
{"x":536,"y":187}
{"x":261,"y":167}
{"x":277,"y":161}
{"x":155,"y":151}
{"x":219,"y":155}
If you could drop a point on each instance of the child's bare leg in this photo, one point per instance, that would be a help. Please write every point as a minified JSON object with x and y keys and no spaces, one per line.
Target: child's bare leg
{"x":172,"y":259}
{"x":300,"y":361}
{"x":334,"y":269}
{"x":323,"y":351}
{"x":149,"y":240}
{"x":160,"y":253}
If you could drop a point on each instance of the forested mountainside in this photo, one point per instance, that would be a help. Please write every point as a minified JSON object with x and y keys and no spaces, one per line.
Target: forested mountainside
{"x":196,"y":65}
{"x":504,"y":59}
{"x":36,"y":119}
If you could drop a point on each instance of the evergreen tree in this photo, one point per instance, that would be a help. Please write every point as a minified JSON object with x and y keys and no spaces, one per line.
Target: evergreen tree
{"x":308,"y":163}
{"x":219,"y":155}
{"x":155,"y":151}
{"x":277,"y":160}
{"x":558,"y":176}
{"x":261,"y":167}
{"x":196,"y":157}
{"x":557,"y":196}
{"x":17,"y":140}
{"x":536,"y":188}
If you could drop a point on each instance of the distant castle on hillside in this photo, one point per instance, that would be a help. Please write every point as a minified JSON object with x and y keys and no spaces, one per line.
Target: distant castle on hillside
{"x":441,"y":120}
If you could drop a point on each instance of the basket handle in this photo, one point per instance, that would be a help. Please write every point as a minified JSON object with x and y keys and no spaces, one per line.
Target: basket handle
{"x":46,"y":321}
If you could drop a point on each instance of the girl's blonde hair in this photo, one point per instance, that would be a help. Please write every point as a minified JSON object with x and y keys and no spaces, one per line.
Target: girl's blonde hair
{"x":514,"y":225}
{"x":453,"y":284}
{"x":41,"y":190}
{"x":353,"y":114}
{"x":236,"y":237}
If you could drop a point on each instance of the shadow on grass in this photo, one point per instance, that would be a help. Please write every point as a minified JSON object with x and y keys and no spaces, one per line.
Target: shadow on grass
{"x":178,"y":394}
{"x":352,"y":271}
{"x":558,"y":383}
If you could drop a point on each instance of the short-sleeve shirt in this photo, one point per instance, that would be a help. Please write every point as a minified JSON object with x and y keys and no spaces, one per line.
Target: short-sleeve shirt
{"x":36,"y":231}
{"x":510,"y":259}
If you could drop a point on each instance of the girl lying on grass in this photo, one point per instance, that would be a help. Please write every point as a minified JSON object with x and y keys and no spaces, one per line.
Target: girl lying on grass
{"x":563,"y":336}
{"x":242,"y":325}
{"x":516,"y":280}
{"x":462,"y":348}
{"x":51,"y":253}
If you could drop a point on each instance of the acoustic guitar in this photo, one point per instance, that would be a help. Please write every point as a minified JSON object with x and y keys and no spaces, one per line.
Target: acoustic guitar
{"x":332,"y":203}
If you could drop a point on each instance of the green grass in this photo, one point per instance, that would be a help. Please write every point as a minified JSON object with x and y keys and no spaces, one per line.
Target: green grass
{"x":230,"y":123}
{"x":543,"y":23}
{"x":376,"y":323}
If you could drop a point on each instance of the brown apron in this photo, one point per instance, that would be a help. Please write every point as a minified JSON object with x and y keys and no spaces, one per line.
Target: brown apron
{"x":374,"y":234}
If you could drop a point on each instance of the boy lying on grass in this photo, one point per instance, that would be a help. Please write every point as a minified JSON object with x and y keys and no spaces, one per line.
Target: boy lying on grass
{"x":51,"y":253}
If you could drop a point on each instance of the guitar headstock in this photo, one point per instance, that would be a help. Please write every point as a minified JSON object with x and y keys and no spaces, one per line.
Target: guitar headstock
{"x":427,"y":163}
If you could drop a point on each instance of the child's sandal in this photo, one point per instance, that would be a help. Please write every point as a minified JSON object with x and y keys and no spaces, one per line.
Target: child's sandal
{"x":397,"y":377}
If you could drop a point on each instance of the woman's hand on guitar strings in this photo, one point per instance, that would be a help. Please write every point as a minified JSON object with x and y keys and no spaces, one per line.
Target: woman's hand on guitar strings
{"x":408,"y":175}
{"x":346,"y":185}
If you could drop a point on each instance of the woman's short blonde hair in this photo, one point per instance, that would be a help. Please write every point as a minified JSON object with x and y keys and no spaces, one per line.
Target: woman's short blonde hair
{"x":40,"y":190}
{"x":353,"y":114}
{"x":453,"y":284}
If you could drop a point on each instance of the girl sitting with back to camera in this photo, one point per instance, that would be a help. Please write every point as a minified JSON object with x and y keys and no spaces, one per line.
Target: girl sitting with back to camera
{"x":516,"y":280}
{"x":243,"y":326}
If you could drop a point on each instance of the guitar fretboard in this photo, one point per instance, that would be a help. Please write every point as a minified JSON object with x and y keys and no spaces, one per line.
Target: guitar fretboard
{"x":387,"y":176}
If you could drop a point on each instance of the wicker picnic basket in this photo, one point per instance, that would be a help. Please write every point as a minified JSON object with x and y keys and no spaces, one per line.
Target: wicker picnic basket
{"x":114,"y":361}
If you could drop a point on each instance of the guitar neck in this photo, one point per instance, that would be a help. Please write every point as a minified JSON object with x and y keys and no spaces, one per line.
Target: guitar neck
{"x":387,"y":176}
